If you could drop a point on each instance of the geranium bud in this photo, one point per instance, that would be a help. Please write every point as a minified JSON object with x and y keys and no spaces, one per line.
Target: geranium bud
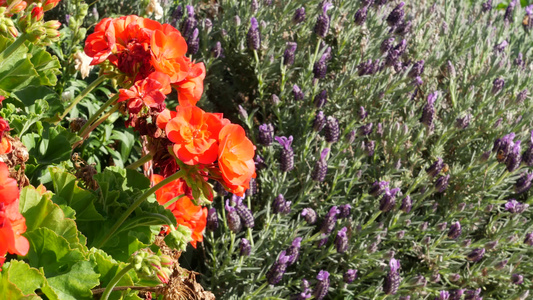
{"x":332,"y":131}
{"x":245,"y":247}
{"x":288,"y":55}
{"x":350,"y":276}
{"x":341,"y":240}
{"x":309,"y":215}
{"x":49,"y":4}
{"x":37,"y":14}
{"x":253,"y":38}
{"x":299,"y":15}
{"x":321,"y":289}
{"x":396,"y":15}
{"x":360,"y":16}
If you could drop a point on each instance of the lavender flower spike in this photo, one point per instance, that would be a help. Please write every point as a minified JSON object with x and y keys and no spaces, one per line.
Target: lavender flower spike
{"x":299,"y":15}
{"x":529,"y":239}
{"x":455,"y":231}
{"x":329,"y":221}
{"x":345,"y":210}
{"x":234,"y":221}
{"x":322,"y":23}
{"x":266,"y":134}
{"x":309,"y":215}
{"x":245,"y":247}
{"x":244,"y":212}
{"x":406,"y":204}
{"x":212,"y":219}
{"x":396,"y":15}
{"x":487,"y":6}
{"x":321,"y":99}
{"x":527,"y":157}
{"x":476,"y":254}
{"x":523,"y":183}
{"x":321,"y":289}
{"x":388,"y":201}
{"x":497,"y":85}
{"x":319,"y":122}
{"x":288,"y":56}
{"x":513,"y":158}
{"x":435,"y":168}
{"x":253,"y":38}
{"x":332,"y":130}
{"x":287,"y":154}
{"x":297,"y":92}
{"x":275,"y":274}
{"x":443,"y":295}
{"x":442,"y":183}
{"x":392,"y":281}
{"x":350,"y":276}
{"x":321,"y":167}
{"x":360,"y":16}
{"x":378,"y":187}
{"x":341,"y":240}
{"x":294,"y":251}
{"x":428,"y":112}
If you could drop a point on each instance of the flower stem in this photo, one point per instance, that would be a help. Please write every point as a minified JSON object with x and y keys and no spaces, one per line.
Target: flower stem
{"x":84,"y":135}
{"x":115,"y":280}
{"x":12,"y":48}
{"x":141,"y":161}
{"x":136,"y":204}
{"x":82,"y":95}
{"x":98,"y":113}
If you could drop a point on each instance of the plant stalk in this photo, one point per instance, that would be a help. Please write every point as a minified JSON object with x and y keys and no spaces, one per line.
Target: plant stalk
{"x":115,"y":280}
{"x":98,"y":113}
{"x":141,"y":161}
{"x":82,"y":95}
{"x":12,"y":48}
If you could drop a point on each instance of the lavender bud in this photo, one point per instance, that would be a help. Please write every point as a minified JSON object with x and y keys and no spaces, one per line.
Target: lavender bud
{"x":487,"y":6}
{"x":360,"y":16}
{"x":245,"y":247}
{"x":341,"y":240}
{"x":522,"y":96}
{"x":424,"y":226}
{"x":392,"y":281}
{"x":508,"y":16}
{"x":345,"y":210}
{"x":254,"y":7}
{"x":517,"y":279}
{"x":406,"y":204}
{"x":319,"y":122}
{"x":294,"y":251}
{"x":253,"y":38}
{"x":281,"y":206}
{"x":455,"y":231}
{"x":500,"y":265}
{"x":372,"y":248}
{"x":245,"y":213}
{"x":275,"y":274}
{"x":252,"y":189}
{"x":466,"y":243}
{"x":320,"y":69}
{"x":426,"y":240}
{"x":442,"y":183}
{"x":403,"y":28}
{"x":501,"y":46}
{"x":400,"y":234}
{"x":454,"y":277}
{"x":266,"y":134}
{"x":275,"y":99}
{"x":444,"y":295}
{"x":321,"y":167}
{"x":527,"y":157}
{"x":388,"y":201}
{"x":234,"y":221}
{"x":396,"y":15}
{"x":321,"y":288}
{"x":401,"y":47}
{"x":369,"y":148}
{"x":193,"y":42}
{"x":392,"y":58}
{"x":462,"y":123}
{"x":177,"y":13}
{"x":217,"y":50}
{"x":330,"y":220}
{"x":418,"y":280}
{"x":297,"y":92}
{"x":476,"y":255}
{"x":189,"y":24}
{"x":386,"y":45}
{"x":523,"y":184}
{"x":212,"y":219}
{"x":456,"y":294}
{"x":362,"y":113}
{"x":435,"y":168}
{"x":442,"y":226}
{"x":417,"y":69}
{"x":435,"y":278}
{"x":287,"y":154}
{"x":332,"y":130}
{"x":515,"y":207}
{"x":428,"y":113}
{"x":350,"y":276}
{"x":321,"y":99}
{"x":288,"y":56}
{"x":514,"y":158}
{"x":378,"y":187}
{"x":529,"y":239}
{"x":309,"y":215}
{"x":491,"y":245}
{"x":208,"y":25}
{"x":322,"y":22}
{"x":497,"y":85}
{"x":322,"y":241}
{"x":365,"y":129}
{"x":299,"y":15}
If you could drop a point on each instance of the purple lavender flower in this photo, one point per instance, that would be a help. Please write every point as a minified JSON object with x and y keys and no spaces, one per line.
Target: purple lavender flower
{"x":330,"y":220}
{"x":281,"y":206}
{"x":360,"y":16}
{"x":321,"y":289}
{"x":442,"y":226}
{"x":403,"y":28}
{"x":369,"y":147}
{"x":392,"y":281}
{"x":212,"y":219}
{"x":508,"y":16}
{"x":466,"y":243}
{"x":362,"y":113}
{"x":392,"y":58}
{"x":253,"y":38}
{"x":417,"y":69}
{"x":491,"y":245}
{"x":245,"y":247}
{"x":321,"y":167}
{"x":244,"y":212}
{"x":515,"y":207}
{"x":275,"y":274}
{"x":332,"y":130}
{"x":365,"y":129}
{"x":396,"y":15}
{"x":254,"y":6}
{"x":386,"y":45}
{"x":319,"y":122}
{"x":288,"y":56}
{"x":527,"y":157}
{"x":297,"y":92}
{"x":322,"y":23}
{"x":299,"y":15}
{"x":401,"y":47}
{"x":275,"y":99}
{"x":378,"y":187}
{"x":266,"y":134}
{"x":454,"y":277}
{"x":487,"y":6}
{"x":345,"y":210}
{"x":407,"y":204}
{"x":476,"y":255}
{"x":435,"y":168}
{"x":322,"y":241}
{"x":400,"y":234}
{"x":234,"y":221}
{"x":321,"y":99}
{"x":517,"y":279}
{"x":189,"y":24}
{"x":287,"y":154}
{"x":252,"y":189}
{"x":529,"y":239}
{"x":522,"y":96}
{"x":320,"y":68}
{"x":388,"y":201}
{"x":193,"y":42}
{"x":500,"y":265}
{"x":294,"y":251}
{"x":428,"y":112}
{"x":350,"y":276}
{"x":497,"y":85}
{"x":501,"y":46}
{"x":455,"y":231}
{"x":341,"y":240}
{"x":513,"y":158}
{"x":443,"y":295}
{"x":462,"y":123}
{"x":309,"y":215}
{"x":217,"y":50}
{"x":456,"y":294}
{"x":442,"y":183}
{"x":503,"y":146}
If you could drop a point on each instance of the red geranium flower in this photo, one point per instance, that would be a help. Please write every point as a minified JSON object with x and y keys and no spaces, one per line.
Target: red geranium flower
{"x":151,"y":91}
{"x":190,"y":90}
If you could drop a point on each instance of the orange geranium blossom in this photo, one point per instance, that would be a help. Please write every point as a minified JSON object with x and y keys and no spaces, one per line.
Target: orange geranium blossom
{"x":186,"y":212}
{"x":5,"y":144}
{"x":169,"y":49}
{"x":195,"y":134}
{"x":236,"y":158}
{"x":12,"y":223}
{"x":151,"y":91}
{"x":190,"y":90}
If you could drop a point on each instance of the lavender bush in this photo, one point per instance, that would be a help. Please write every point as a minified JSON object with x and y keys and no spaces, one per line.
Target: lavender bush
{"x":416,"y":114}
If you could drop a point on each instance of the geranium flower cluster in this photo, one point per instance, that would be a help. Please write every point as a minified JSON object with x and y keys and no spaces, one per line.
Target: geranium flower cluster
{"x":148,"y":59}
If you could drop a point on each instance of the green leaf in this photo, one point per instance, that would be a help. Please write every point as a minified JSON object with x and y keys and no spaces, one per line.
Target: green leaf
{"x":77,"y":283}
{"x":28,"y":279}
{"x":17,"y":71}
{"x":107,"y":267}
{"x":46,"y":65}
